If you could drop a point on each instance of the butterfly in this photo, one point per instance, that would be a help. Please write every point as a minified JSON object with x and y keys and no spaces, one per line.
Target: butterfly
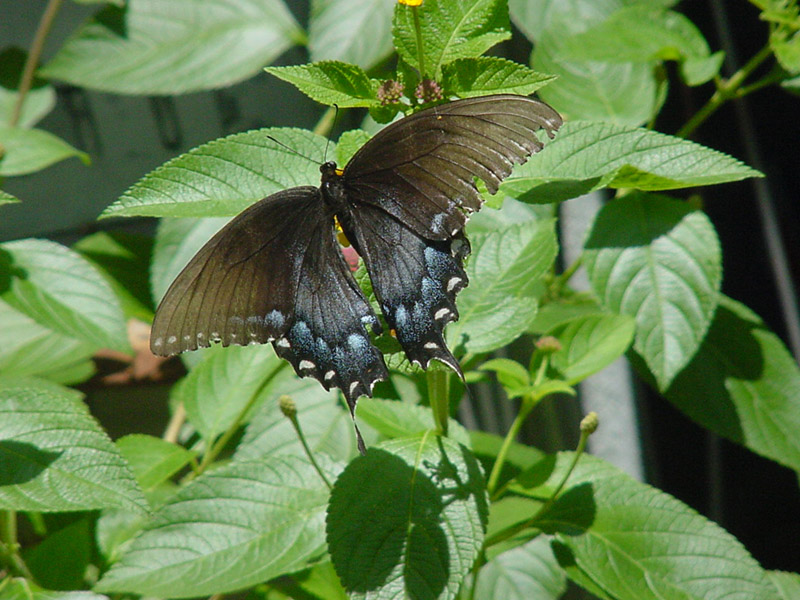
{"x":276,"y":273}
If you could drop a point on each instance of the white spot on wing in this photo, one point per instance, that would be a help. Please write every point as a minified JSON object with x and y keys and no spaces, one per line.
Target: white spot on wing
{"x":452,"y":283}
{"x":441,"y":313}
{"x":354,"y":385}
{"x":283,"y":343}
{"x":307,"y":365}
{"x":172,"y":339}
{"x":330,"y":375}
{"x":158,"y":342}
{"x":431,"y":346}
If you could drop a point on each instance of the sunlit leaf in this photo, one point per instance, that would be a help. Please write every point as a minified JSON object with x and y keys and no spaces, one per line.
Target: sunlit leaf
{"x":153,"y":47}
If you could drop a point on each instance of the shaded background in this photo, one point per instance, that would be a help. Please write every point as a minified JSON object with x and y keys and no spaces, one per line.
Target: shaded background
{"x":758,"y":224}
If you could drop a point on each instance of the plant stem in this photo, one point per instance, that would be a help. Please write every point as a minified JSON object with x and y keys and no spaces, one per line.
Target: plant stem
{"x":175,"y":423}
{"x":223,"y":440}
{"x":725,"y":91}
{"x":9,"y":547}
{"x":45,"y":23}
{"x":511,"y":531}
{"x":562,"y":279}
{"x":529,"y":401}
{"x":439,"y":398}
{"x":290,"y":411}
{"x":420,"y":52}
{"x":326,"y":122}
{"x":511,"y":435}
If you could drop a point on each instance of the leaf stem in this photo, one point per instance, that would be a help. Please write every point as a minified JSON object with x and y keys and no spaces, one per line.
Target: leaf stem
{"x":9,"y":546}
{"x":223,"y":440}
{"x":562,"y":279}
{"x":511,"y":435}
{"x":420,"y":52}
{"x":289,"y":410}
{"x":326,"y":122}
{"x":439,"y":398}
{"x":45,"y":23}
{"x":726,"y":90}
{"x":588,"y":426}
{"x":175,"y":424}
{"x":529,"y":402}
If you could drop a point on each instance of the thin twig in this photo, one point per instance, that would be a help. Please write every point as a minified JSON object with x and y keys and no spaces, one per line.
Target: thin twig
{"x":35,"y":53}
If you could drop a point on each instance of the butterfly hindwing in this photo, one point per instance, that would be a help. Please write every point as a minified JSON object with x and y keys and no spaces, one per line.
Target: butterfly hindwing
{"x":421,"y":169}
{"x":276,"y":274}
{"x":415,"y":282}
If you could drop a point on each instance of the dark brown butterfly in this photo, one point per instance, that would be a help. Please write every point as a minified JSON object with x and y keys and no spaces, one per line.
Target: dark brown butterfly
{"x":276,"y":273}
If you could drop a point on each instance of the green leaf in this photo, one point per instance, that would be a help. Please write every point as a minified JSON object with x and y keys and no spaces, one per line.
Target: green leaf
{"x":40,"y":99}
{"x":642,"y":33}
{"x":784,"y":36}
{"x":124,"y":260}
{"x":566,"y":308}
{"x":38,"y":103}
{"x":744,"y":385}
{"x":152,"y":459}
{"x":505,"y":273}
{"x":396,"y":419}
{"x":223,"y":177}
{"x":510,"y":373}
{"x":352,"y":31}
{"x":326,"y":424}
{"x":231,"y":528}
{"x":223,"y":384}
{"x":156,"y":48}
{"x":450,"y":30}
{"x":6,"y":198}
{"x":507,"y":513}
{"x":525,"y":572}
{"x":792,"y":85}
{"x":23,"y":589}
{"x":60,"y":560}
{"x":28,"y":348}
{"x":320,"y":581}
{"x":331,"y":82}
{"x":54,"y":456}
{"x":349,"y":143}
{"x":425,"y":503}
{"x":658,"y":260}
{"x":520,"y":457}
{"x":591,"y":343}
{"x":638,"y":543}
{"x":786,"y":47}
{"x":29,"y":150}
{"x":532,"y":17}
{"x":467,"y":77}
{"x":59,"y":289}
{"x":788,"y":584}
{"x":589,"y":156}
{"x":626,"y":94}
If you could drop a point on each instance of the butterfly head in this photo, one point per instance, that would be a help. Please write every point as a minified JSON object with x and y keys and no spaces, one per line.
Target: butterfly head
{"x":330,"y":171}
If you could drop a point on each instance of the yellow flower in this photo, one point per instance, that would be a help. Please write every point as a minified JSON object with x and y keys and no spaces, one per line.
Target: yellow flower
{"x":410,"y":2}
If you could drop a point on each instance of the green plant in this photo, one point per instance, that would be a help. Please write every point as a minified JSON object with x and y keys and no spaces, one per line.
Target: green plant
{"x":229,"y":499}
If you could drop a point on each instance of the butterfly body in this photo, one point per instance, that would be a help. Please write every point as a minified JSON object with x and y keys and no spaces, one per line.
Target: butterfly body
{"x":276,"y":273}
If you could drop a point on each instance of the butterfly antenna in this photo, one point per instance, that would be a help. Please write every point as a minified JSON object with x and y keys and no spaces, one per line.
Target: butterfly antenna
{"x":292,"y":150}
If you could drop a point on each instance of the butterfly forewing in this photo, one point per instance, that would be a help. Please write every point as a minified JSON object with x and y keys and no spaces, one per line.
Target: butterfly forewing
{"x":276,"y":274}
{"x":421,"y":169}
{"x":240,"y":287}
